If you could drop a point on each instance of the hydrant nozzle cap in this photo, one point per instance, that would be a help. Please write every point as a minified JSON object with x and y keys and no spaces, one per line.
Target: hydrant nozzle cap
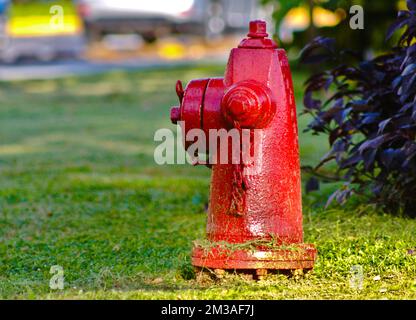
{"x":257,"y":29}
{"x":249,"y":104}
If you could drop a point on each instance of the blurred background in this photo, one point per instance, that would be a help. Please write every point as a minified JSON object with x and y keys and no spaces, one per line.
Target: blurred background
{"x":85,"y":36}
{"x":120,"y":31}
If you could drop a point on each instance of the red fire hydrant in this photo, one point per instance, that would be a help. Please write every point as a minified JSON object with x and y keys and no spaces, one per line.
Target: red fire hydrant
{"x":254,"y":220}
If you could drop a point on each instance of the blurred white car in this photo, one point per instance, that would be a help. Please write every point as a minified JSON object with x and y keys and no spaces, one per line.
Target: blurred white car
{"x":153,"y":18}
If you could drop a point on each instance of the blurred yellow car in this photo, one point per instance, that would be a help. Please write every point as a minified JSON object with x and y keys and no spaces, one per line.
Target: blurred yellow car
{"x":41,"y":29}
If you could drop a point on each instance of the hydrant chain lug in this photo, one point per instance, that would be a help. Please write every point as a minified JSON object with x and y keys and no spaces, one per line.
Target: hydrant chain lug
{"x":260,"y":213}
{"x":179,"y":90}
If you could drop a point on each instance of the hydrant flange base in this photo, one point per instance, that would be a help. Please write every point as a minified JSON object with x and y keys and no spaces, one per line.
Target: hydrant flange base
{"x":298,"y":256}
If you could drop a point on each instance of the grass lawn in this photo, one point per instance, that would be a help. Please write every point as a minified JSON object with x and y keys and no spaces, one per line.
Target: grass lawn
{"x":79,"y":188}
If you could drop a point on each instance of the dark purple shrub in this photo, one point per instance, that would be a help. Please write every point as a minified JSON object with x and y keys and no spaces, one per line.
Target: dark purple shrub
{"x":368,"y":111}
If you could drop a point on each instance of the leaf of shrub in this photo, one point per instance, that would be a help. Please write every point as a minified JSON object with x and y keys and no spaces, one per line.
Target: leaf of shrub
{"x":370,"y":116}
{"x":312,"y":185}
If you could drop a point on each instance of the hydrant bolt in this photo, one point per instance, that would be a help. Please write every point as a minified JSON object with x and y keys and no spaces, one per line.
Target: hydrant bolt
{"x":257,"y":29}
